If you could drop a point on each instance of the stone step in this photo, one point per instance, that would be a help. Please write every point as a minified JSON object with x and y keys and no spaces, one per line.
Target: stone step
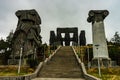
{"x":63,"y":65}
{"x":58,"y":79}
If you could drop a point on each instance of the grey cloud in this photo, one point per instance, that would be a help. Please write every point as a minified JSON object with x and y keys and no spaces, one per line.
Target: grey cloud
{"x":60,"y":13}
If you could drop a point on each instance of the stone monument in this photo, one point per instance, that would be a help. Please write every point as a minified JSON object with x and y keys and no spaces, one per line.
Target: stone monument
{"x":26,"y":38}
{"x":82,"y":39}
{"x":100,"y":49}
{"x":52,"y":38}
{"x":67,"y":39}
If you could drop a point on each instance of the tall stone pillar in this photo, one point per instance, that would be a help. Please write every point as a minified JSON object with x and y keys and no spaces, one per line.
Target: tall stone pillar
{"x":59,"y":37}
{"x":99,"y":40}
{"x":26,"y":40}
{"x":52,"y":38}
{"x":82,"y":38}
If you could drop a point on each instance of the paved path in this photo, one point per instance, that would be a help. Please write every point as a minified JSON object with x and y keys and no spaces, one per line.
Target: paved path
{"x":63,"y":66}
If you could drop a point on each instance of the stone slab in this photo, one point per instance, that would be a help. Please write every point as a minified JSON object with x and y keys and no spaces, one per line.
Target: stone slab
{"x":58,"y":79}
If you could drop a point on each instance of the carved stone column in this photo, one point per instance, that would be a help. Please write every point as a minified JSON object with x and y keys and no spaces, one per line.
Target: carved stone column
{"x":26,"y":39}
{"x":59,"y":37}
{"x":82,"y":38}
{"x":52,"y":38}
{"x":99,"y":40}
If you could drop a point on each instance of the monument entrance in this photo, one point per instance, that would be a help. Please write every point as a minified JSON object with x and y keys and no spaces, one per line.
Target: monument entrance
{"x":66,"y":38}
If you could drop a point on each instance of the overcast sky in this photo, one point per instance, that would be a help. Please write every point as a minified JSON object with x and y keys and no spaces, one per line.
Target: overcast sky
{"x":61,"y":13}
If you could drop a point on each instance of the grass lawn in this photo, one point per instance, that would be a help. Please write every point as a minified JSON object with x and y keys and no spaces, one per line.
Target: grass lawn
{"x":106,"y":73}
{"x":13,"y":70}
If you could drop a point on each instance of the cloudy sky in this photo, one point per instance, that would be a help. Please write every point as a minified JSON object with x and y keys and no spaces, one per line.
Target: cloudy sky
{"x":61,"y":13}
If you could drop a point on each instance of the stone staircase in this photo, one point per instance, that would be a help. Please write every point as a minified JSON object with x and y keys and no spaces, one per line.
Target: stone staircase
{"x":62,"y":65}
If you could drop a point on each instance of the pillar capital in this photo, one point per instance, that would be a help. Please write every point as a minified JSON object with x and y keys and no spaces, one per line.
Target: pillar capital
{"x":97,"y":15}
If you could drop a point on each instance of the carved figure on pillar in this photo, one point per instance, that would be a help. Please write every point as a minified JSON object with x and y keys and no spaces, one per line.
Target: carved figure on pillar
{"x":27,"y":34}
{"x":99,"y":40}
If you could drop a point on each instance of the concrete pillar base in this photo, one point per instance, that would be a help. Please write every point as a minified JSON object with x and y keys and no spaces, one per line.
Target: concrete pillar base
{"x":104,"y":62}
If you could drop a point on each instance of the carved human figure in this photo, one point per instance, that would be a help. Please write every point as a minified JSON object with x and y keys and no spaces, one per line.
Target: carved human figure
{"x":27,"y":33}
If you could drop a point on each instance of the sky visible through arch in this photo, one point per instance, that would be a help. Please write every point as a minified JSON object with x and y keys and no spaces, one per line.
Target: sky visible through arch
{"x":61,"y":13}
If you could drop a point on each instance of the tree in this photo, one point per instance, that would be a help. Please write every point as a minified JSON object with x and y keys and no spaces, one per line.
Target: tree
{"x":3,"y":45}
{"x":114,"y":49}
{"x":3,"y":51}
{"x":116,"y":39}
{"x":5,"y":48}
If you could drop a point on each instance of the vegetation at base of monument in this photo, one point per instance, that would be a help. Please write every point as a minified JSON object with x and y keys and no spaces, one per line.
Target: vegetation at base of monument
{"x":5,"y":49}
{"x":13,"y":70}
{"x":113,"y":50}
{"x":32,"y":62}
{"x":106,"y":73}
{"x":83,"y":53}
{"x":114,"y":53}
{"x":47,"y":51}
{"x":53,"y":47}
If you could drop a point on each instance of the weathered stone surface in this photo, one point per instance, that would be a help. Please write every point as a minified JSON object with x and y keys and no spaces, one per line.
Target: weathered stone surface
{"x":53,"y":38}
{"x":82,"y":38}
{"x":98,"y":32}
{"x":97,"y":15}
{"x":27,"y":34}
{"x":67,"y":38}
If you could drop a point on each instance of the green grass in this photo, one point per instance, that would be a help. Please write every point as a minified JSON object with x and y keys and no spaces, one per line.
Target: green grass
{"x":106,"y":73}
{"x":13,"y":70}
